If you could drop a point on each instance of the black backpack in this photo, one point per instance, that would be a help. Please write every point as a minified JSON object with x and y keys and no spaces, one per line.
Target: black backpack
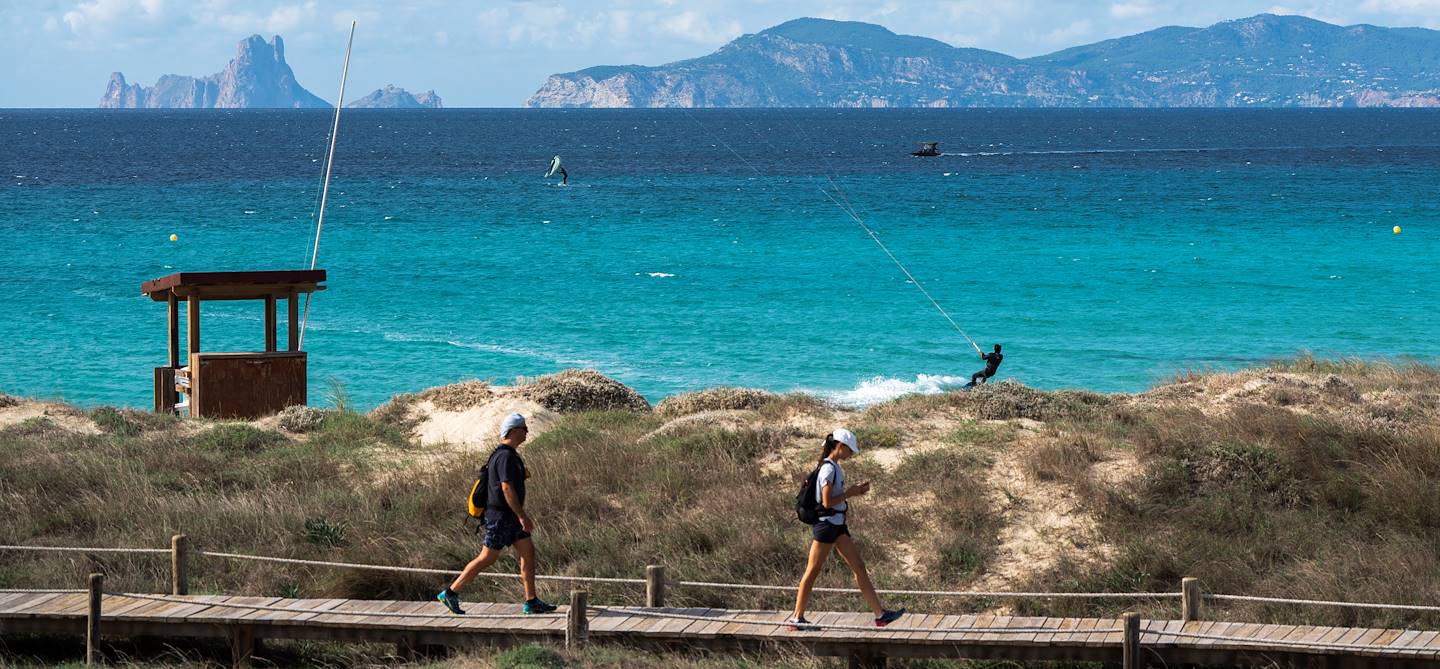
{"x":807,"y":509}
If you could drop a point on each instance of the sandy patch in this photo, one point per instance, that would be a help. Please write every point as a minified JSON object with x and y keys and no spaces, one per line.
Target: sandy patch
{"x":480,"y":425}
{"x":1044,"y":520}
{"x":66,"y":417}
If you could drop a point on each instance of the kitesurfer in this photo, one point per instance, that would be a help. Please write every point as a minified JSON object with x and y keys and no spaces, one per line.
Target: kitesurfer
{"x":555,"y":166}
{"x":992,"y":363}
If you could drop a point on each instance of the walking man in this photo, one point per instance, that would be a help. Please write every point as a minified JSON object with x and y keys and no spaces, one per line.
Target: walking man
{"x":506,"y":523}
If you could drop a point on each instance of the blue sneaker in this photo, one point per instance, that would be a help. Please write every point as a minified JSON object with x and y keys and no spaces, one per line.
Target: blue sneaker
{"x":536,"y":606}
{"x":451,"y":600}
{"x":888,"y":617}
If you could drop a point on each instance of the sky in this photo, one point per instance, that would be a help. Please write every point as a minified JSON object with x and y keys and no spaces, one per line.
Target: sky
{"x":495,"y":53}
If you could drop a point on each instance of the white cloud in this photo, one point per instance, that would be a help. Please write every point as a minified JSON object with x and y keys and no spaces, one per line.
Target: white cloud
{"x":114,"y":17}
{"x":695,"y":27}
{"x":1400,"y":6}
{"x":1068,"y":34}
{"x":1132,"y":10}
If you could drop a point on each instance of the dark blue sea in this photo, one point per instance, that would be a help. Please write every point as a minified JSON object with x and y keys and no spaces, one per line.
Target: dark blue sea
{"x":1106,"y":249}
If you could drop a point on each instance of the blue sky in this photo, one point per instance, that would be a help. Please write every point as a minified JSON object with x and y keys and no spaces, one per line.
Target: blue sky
{"x":494,"y":53}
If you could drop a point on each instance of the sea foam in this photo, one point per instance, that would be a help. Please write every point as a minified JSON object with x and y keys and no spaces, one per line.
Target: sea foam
{"x":882,"y":389}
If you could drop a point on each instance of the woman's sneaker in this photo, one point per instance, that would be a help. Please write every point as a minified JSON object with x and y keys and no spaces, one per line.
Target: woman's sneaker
{"x":451,"y":600}
{"x":801,"y":625}
{"x":888,"y":617}
{"x":535,"y":606}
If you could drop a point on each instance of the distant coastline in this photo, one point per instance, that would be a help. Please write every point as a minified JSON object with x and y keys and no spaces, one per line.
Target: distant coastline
{"x":1261,"y":61}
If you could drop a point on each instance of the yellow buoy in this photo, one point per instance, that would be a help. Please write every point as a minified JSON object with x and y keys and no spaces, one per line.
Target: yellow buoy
{"x":174,"y":237}
{"x":1396,"y":230}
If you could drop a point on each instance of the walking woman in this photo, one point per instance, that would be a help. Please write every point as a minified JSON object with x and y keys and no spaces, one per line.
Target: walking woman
{"x":830,"y":533}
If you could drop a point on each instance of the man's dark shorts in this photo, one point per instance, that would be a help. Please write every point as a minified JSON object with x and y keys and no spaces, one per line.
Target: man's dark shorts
{"x":827,"y":532}
{"x":502,"y":533}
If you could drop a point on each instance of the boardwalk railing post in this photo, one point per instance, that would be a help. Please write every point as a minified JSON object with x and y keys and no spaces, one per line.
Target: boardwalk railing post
{"x":577,"y":626}
{"x":1190,"y":599}
{"x":655,"y":586}
{"x":92,"y":621}
{"x":179,"y":565}
{"x":1130,"y":655}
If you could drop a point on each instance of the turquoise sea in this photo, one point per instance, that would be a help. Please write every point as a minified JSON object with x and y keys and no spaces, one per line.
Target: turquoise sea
{"x":1106,"y":249}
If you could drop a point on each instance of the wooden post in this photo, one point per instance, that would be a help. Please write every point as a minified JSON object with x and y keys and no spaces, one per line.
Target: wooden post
{"x":1190,"y":599}
{"x":292,"y":320}
{"x":577,"y":626}
{"x":173,"y":325}
{"x":92,"y":621}
{"x":179,"y":565}
{"x":655,"y":586}
{"x":192,"y":326}
{"x":242,"y":645}
{"x":1130,"y":655}
{"x":270,"y":323}
{"x":165,"y":395}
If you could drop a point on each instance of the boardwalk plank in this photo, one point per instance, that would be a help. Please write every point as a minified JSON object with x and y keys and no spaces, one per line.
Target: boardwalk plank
{"x":919,"y":629}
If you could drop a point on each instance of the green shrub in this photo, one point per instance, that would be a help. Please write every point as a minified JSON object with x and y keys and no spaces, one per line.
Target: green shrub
{"x":529,"y":657}
{"x":111,"y":421}
{"x":238,"y":438}
{"x":323,"y":533}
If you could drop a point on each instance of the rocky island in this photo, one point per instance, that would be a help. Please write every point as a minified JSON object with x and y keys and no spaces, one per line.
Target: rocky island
{"x":257,"y":78}
{"x":1261,"y":61}
{"x":394,"y":97}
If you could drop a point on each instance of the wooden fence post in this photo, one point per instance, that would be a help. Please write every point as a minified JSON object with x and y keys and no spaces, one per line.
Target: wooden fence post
{"x":1130,"y":655}
{"x":655,"y":586}
{"x":179,"y":565}
{"x":92,"y":621}
{"x":577,"y":626}
{"x":1190,"y":599}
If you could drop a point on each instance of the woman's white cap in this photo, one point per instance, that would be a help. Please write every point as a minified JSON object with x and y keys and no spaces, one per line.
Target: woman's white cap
{"x":847,"y":437}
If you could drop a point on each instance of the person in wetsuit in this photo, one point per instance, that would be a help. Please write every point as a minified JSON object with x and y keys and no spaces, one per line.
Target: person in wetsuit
{"x":992,"y":363}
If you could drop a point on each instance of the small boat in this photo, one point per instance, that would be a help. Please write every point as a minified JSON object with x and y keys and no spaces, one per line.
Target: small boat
{"x":927,"y":150}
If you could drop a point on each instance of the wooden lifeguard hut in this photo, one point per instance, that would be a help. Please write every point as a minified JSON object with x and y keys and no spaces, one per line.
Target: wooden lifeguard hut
{"x":248,"y":384}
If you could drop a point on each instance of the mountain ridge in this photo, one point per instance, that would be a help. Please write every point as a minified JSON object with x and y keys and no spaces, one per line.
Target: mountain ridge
{"x":1264,"y":60}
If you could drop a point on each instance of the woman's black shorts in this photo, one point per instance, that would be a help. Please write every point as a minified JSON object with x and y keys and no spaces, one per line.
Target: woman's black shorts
{"x":827,"y":532}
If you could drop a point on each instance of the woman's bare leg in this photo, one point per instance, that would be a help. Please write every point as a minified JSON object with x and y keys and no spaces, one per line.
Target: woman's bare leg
{"x":818,"y":553}
{"x":851,"y":553}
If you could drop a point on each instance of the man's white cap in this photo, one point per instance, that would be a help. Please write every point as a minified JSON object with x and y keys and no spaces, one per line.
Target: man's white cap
{"x":847,"y":437}
{"x":512,"y":421}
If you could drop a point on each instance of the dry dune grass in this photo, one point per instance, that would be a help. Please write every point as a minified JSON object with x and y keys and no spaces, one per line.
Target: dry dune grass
{"x":576,"y":390}
{"x":715,"y":399}
{"x":1335,"y":495}
{"x":459,"y":396}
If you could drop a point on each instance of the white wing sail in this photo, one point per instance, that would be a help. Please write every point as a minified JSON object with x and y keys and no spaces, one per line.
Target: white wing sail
{"x":554,"y":167}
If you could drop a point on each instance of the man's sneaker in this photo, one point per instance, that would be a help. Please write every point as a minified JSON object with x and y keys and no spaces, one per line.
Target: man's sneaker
{"x":536,"y":606}
{"x":451,"y":600}
{"x":888,"y":617}
{"x":801,"y":625}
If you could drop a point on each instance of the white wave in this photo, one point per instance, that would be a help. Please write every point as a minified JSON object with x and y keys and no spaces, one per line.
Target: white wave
{"x":881,"y":389}
{"x":659,"y":275}
{"x":549,"y":356}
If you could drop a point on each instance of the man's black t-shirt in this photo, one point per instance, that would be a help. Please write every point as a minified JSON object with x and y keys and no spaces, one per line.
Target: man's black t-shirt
{"x":505,"y":467}
{"x":992,"y":362}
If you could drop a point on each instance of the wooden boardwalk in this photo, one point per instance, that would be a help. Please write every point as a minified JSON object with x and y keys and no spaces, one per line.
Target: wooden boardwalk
{"x":415,"y":625}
